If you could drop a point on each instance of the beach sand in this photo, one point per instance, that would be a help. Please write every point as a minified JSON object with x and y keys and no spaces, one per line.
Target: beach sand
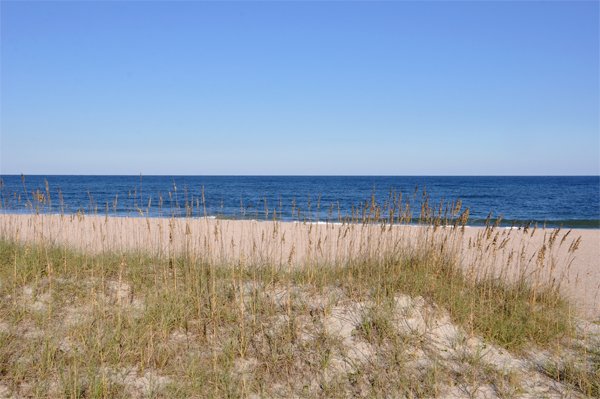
{"x":508,"y":252}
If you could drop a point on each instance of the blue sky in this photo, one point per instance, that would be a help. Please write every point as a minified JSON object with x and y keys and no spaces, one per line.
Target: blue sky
{"x":300,"y":88}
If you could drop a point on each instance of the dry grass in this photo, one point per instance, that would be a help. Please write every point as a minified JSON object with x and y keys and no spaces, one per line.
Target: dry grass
{"x":418,"y":319}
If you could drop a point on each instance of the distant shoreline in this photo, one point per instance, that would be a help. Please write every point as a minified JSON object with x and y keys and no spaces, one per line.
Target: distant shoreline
{"x":472,"y":223}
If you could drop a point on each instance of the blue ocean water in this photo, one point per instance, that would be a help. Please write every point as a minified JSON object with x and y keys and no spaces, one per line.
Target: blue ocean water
{"x":573,"y":201}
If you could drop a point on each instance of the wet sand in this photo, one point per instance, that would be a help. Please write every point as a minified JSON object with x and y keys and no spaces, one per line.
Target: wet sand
{"x":505,"y":251}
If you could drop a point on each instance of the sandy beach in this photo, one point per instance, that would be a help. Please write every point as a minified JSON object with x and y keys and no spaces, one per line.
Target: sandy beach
{"x":299,"y":244}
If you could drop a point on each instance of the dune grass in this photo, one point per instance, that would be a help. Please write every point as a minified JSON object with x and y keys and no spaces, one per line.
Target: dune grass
{"x":415,"y":321}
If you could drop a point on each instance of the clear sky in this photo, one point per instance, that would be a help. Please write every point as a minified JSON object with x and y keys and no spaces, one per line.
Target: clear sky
{"x":276,"y":88}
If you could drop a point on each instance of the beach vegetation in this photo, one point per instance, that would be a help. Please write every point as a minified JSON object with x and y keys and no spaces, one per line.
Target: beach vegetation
{"x":388,"y":314}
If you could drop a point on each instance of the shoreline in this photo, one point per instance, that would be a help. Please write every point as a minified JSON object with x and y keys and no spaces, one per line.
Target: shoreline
{"x":472,"y":223}
{"x":301,"y":243}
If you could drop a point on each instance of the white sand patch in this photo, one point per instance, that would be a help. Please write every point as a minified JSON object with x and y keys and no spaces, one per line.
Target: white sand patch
{"x":118,"y":292}
{"x":443,"y":334}
{"x":66,"y":345}
{"x":342,"y":322}
{"x":6,"y":393}
{"x":409,"y":315}
{"x":76,"y":315}
{"x":143,"y":385}
{"x":501,"y":359}
{"x":245,"y":366}
{"x":27,"y":293}
{"x":33,"y":333}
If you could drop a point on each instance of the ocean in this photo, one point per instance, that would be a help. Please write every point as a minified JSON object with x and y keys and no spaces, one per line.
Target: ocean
{"x":571,"y":201}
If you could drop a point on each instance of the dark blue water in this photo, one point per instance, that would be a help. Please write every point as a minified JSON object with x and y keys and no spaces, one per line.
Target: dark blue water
{"x":573,"y":201}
